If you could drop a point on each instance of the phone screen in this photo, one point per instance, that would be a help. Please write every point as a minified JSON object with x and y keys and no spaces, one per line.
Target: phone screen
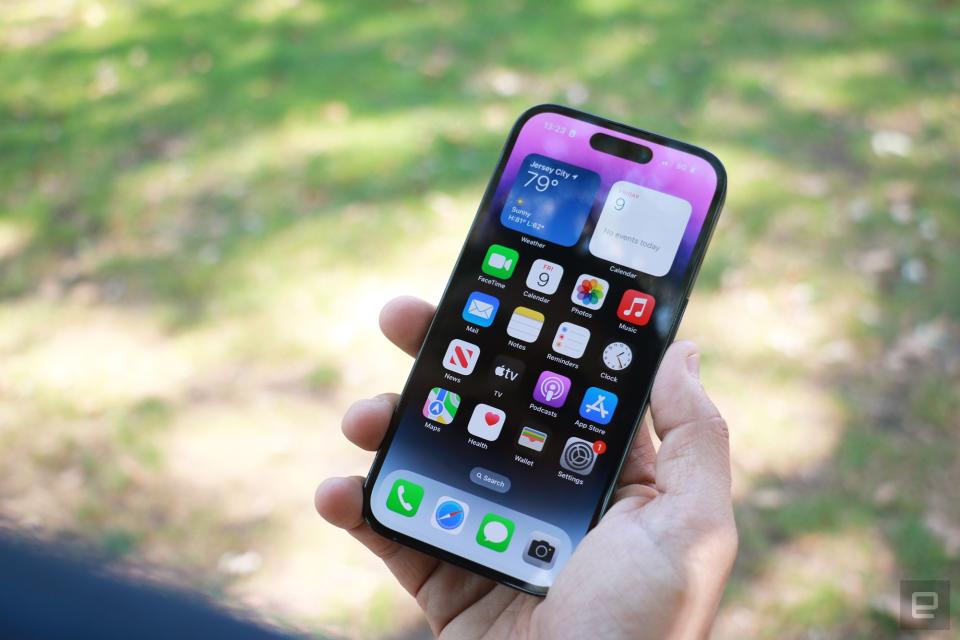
{"x":526,"y":394}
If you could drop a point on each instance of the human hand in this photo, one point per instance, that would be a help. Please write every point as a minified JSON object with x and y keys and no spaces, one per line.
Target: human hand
{"x":654,"y":566}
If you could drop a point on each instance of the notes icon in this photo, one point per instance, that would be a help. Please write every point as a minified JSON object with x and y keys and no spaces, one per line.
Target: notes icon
{"x":525,"y":324}
{"x":636,"y":307}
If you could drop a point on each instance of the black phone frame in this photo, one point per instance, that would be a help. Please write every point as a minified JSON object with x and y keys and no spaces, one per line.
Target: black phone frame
{"x":699,"y":251}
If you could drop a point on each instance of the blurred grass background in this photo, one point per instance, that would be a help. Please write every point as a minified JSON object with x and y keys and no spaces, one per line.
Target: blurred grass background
{"x":204,"y":204}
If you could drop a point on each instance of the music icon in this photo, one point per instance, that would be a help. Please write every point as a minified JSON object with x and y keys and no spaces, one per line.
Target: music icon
{"x":636,"y":307}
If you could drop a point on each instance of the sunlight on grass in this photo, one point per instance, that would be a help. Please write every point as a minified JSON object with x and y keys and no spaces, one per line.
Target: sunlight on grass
{"x":13,"y":238}
{"x":820,"y":81}
{"x":816,"y":581}
{"x":97,"y":359}
{"x":203,"y":206}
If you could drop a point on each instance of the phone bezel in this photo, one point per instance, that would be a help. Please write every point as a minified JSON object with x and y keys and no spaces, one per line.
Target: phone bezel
{"x":696,"y":260}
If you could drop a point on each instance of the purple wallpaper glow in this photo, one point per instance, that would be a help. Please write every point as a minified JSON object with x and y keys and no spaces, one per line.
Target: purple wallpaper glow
{"x":696,"y":187}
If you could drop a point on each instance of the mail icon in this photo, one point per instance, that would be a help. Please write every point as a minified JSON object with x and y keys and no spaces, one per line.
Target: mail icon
{"x":480,"y":309}
{"x":483,"y":310}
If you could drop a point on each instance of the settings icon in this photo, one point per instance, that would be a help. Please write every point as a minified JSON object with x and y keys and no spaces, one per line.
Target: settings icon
{"x":578,"y":456}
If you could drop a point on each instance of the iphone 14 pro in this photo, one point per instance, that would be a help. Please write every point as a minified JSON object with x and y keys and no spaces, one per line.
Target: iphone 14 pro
{"x":508,"y":438}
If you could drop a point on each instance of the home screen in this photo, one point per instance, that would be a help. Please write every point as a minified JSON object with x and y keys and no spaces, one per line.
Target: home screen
{"x":526,"y":392}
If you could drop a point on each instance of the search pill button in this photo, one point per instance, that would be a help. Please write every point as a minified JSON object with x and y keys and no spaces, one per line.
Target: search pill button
{"x":490,"y":480}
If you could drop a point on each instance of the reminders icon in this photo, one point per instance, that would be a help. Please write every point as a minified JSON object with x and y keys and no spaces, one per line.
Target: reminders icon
{"x":525,"y":324}
{"x":571,"y":340}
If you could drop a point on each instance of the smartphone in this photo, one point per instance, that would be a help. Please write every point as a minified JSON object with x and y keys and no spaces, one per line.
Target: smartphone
{"x":510,"y":433}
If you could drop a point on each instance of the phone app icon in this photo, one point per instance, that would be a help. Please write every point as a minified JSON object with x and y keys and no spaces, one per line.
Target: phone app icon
{"x":590,"y":291}
{"x":506,"y":371}
{"x":486,"y":422}
{"x":598,"y":405}
{"x":525,"y":324}
{"x":541,"y":550}
{"x":551,"y":389}
{"x":500,"y":261}
{"x":532,"y":439}
{"x":636,"y":307}
{"x":544,"y":276}
{"x":571,"y":339}
{"x":481,"y":309}
{"x":441,"y":406}
{"x":405,"y":498}
{"x":495,"y":532}
{"x":578,"y":456}
{"x":617,"y":356}
{"x":461,"y":357}
{"x":449,"y":515}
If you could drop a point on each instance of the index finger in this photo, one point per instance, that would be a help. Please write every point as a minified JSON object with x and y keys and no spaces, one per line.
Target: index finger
{"x":404,"y":322}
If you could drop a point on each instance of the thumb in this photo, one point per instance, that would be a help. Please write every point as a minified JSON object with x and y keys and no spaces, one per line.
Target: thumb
{"x":694,"y":455}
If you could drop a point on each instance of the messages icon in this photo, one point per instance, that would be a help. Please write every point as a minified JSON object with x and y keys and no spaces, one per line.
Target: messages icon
{"x":495,"y":532}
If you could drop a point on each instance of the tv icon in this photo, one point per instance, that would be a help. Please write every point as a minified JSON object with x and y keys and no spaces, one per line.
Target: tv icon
{"x":506,"y":372}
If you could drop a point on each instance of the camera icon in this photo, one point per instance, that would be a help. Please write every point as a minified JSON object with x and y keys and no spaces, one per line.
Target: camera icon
{"x":541,"y":550}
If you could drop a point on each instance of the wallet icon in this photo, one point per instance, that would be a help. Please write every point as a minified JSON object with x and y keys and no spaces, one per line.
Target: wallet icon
{"x":481,"y":309}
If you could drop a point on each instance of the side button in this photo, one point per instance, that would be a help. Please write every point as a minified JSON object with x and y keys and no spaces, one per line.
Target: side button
{"x":677,"y":321}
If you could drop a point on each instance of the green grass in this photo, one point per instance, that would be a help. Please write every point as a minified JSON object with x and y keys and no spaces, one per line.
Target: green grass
{"x":205,"y":188}
{"x":323,"y":377}
{"x":823,"y":608}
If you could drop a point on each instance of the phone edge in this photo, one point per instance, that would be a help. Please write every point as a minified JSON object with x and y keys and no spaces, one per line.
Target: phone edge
{"x":713,"y":215}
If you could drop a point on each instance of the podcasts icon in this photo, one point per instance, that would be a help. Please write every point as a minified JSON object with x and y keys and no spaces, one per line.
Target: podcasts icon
{"x":551,"y":389}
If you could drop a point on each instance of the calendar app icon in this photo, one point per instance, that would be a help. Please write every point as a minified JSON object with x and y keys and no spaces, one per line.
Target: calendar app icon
{"x":544,"y":276}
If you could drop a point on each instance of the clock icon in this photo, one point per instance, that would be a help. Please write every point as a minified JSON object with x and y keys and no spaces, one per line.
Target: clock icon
{"x":617,"y":356}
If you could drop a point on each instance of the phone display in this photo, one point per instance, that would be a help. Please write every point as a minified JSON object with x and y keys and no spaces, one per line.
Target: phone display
{"x":510,"y":433}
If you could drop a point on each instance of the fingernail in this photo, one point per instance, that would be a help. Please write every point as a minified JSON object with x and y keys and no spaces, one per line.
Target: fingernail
{"x":385,"y":398}
{"x":693,"y":365}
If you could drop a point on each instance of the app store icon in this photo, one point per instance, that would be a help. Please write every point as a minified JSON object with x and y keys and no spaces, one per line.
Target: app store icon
{"x":598,"y":405}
